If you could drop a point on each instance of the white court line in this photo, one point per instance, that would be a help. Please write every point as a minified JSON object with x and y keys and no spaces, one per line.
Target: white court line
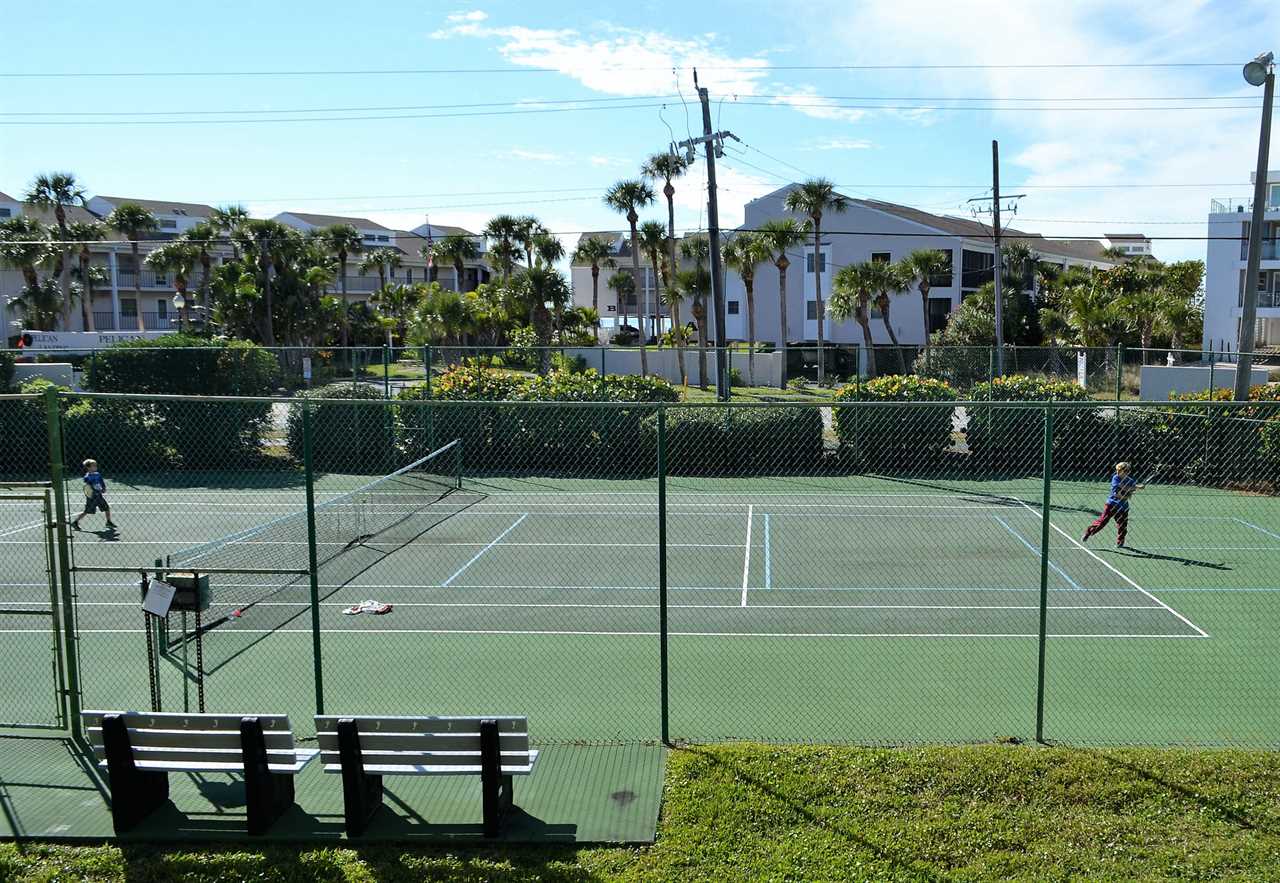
{"x":1036,"y":552}
{"x":746,"y":558}
{"x":1255,"y":527}
{"x":768,"y":566}
{"x":1105,"y":564}
{"x":648,"y":587}
{"x":615,"y":634}
{"x":537,"y":605}
{"x":22,"y":528}
{"x":457,"y":573}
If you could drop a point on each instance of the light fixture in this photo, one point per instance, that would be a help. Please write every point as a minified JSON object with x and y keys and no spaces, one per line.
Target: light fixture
{"x":179,"y":301}
{"x":1255,"y":72}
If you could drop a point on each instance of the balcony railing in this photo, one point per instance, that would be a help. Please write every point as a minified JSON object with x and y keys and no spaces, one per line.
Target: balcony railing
{"x":1237,"y":205}
{"x":1267,"y":300}
{"x":104,"y":321}
{"x":150,"y":322}
{"x":1270,"y":250}
{"x":150,"y":279}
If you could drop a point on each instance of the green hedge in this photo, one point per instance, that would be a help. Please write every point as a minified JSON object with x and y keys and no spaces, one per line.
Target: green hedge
{"x":118,"y":435}
{"x":7,"y":362}
{"x":357,"y":439}
{"x":1009,"y":441}
{"x":891,"y":440}
{"x":24,"y":455}
{"x":714,"y":441}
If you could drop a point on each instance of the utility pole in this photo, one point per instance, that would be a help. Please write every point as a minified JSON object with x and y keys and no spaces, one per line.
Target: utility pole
{"x":1262,"y":65}
{"x":713,"y":142}
{"x":998,"y":258}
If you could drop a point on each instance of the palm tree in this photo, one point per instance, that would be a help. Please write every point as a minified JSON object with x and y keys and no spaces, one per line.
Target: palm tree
{"x":698,"y":250}
{"x":85,"y":232}
{"x":653,"y":241}
{"x":890,"y":279}
{"x":397,"y":303}
{"x":176,"y":258}
{"x":742,"y":254}
{"x":538,"y":287}
{"x":265,"y":240}
{"x":679,"y":284}
{"x":342,"y":241}
{"x":668,"y":167}
{"x":598,"y":253}
{"x":852,"y":289}
{"x":24,"y":245}
{"x":225,"y":220}
{"x":455,"y":249}
{"x":199,"y":236}
{"x":527,"y":230}
{"x":779,"y":236}
{"x":623,"y":286}
{"x":628,"y":197}
{"x":923,"y":265}
{"x":55,"y":191}
{"x":502,"y":231}
{"x":813,"y":198}
{"x":381,"y":261}
{"x":133,"y":221}
{"x":502,"y":257}
{"x":549,"y":250}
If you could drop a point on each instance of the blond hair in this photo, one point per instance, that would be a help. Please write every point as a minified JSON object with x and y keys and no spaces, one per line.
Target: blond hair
{"x":1123,"y":466}
{"x":90,"y":464}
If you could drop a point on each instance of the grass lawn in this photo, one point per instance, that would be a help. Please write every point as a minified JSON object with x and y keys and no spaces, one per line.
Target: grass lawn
{"x":753,"y":812}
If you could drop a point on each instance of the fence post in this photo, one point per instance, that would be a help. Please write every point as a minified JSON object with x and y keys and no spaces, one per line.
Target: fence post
{"x":603,"y":351}
{"x":386,"y":371}
{"x":426,"y":368}
{"x":1119,"y":371}
{"x":53,"y":419}
{"x":308,"y":430}
{"x":662,"y":571}
{"x":1212,"y":361}
{"x":1044,"y":565}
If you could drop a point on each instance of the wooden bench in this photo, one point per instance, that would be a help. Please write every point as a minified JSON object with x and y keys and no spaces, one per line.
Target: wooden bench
{"x":364,"y":749}
{"x":139,"y":749}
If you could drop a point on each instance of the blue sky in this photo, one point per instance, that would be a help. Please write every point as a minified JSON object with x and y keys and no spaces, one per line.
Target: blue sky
{"x":461,"y":169}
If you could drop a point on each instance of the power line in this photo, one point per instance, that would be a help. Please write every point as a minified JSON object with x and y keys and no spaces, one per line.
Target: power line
{"x":788,"y":101}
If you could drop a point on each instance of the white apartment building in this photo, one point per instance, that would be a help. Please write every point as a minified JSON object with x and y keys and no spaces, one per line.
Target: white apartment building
{"x":1132,"y":245}
{"x":645,"y":298}
{"x":1225,"y":264}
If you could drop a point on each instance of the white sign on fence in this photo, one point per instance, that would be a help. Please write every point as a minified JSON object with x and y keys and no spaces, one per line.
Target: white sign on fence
{"x":1082,"y":368}
{"x":306,"y":367}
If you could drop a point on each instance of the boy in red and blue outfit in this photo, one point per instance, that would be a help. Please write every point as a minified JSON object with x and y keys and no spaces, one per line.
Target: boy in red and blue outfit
{"x":95,"y":487}
{"x":1123,"y":487}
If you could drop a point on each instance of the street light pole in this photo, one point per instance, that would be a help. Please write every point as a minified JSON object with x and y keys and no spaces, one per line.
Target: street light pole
{"x":1259,"y":72}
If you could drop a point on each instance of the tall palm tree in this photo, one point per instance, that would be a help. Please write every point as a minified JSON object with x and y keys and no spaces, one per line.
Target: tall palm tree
{"x":852,"y":290}
{"x":265,"y":240}
{"x":598,"y":253}
{"x":176,"y":258}
{"x":381,"y":261}
{"x":698,"y":250}
{"x":814,"y":198}
{"x":342,"y":241}
{"x":134,"y":222}
{"x":24,"y":245}
{"x":627,"y":198}
{"x":85,"y":232}
{"x":923,"y":265}
{"x":780,"y":236}
{"x":653,"y":241}
{"x":55,"y":191}
{"x":225,"y":219}
{"x":742,"y":254}
{"x":623,"y":286}
{"x":549,"y":250}
{"x":527,"y":230}
{"x":678,"y":285}
{"x":455,"y":249}
{"x":889,"y":279}
{"x":199,"y":236}
{"x":538,"y":287}
{"x":668,"y":167}
{"x":502,"y":232}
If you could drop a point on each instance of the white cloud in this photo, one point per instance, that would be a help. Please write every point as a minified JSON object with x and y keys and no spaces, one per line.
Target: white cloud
{"x":520,"y":154}
{"x":806,"y":100}
{"x":839,"y":143}
{"x":605,"y":162}
{"x":475,"y":15}
{"x":734,"y":189}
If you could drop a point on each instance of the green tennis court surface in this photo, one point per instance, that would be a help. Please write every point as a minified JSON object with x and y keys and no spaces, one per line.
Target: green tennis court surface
{"x":849,"y":609}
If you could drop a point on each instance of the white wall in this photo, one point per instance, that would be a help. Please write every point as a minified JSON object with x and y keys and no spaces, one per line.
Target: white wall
{"x":665,"y":363}
{"x":1159,"y":381}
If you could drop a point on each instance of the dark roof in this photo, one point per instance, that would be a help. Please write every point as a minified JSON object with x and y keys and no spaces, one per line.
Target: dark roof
{"x":193,"y":209}
{"x":942,"y":223}
{"x":1126,"y":237}
{"x":330,"y":220}
{"x":1081,"y":249}
{"x":443,"y":230}
{"x":7,"y":198}
{"x":45,"y":216}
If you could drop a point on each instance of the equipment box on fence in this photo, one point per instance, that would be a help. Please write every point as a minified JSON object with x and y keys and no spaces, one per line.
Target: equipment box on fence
{"x":192,"y":593}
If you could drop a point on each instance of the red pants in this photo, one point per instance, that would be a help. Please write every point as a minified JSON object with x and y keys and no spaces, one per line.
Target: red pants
{"x":1111,"y":510}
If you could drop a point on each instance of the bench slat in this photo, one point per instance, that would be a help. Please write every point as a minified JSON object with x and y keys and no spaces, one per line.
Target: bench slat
{"x":147,"y":720}
{"x":427,"y":758}
{"x":301,"y":759}
{"x":196,"y":755}
{"x":425,"y":770}
{"x":386,"y":741}
{"x":425,"y":724}
{"x":194,"y":738}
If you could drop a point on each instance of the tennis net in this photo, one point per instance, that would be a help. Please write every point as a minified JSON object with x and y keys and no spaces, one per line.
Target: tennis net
{"x":354,"y":531}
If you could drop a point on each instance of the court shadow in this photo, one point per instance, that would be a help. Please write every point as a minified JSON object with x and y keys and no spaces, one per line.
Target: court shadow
{"x":1135,"y":552}
{"x":970,"y":495}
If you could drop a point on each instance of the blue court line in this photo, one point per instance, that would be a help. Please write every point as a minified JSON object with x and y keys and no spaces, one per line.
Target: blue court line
{"x":1255,"y":527}
{"x":1036,"y":552}
{"x":495,"y":542}
{"x":768,"y":565}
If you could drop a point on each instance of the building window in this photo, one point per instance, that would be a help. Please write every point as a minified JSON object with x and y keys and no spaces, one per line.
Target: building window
{"x":408,"y":275}
{"x":947,"y":278}
{"x":976,"y":268}
{"x":162,"y":309}
{"x":161,"y":280}
{"x":384,"y":238}
{"x":168,"y":224}
{"x":6,"y":213}
{"x":128,"y":307}
{"x":811,"y":310}
{"x":880,"y":257}
{"x":731,"y":308}
{"x":369,"y":237}
{"x":822,"y":263}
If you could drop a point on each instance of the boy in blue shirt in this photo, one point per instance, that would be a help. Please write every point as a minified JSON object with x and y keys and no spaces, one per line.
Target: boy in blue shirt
{"x":94,"y":488}
{"x":1123,"y":487}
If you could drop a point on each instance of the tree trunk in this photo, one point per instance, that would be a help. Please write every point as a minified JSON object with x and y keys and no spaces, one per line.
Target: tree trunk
{"x":679,"y":342}
{"x":817,"y":295}
{"x":884,"y":317}
{"x":863,"y":311}
{"x":86,"y":293}
{"x":206,"y":268}
{"x":749,"y":283}
{"x":268,"y":327}
{"x":641,"y":303}
{"x":782,"y":324}
{"x":700,"y":315}
{"x":924,"y":306}
{"x":137,"y":284}
{"x":595,"y":296}
{"x":345,"y":323}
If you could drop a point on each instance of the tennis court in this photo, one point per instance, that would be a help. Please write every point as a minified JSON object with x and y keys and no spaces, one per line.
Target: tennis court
{"x":836,"y":608}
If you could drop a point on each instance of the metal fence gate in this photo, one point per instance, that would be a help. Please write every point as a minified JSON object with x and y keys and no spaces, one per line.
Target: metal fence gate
{"x":33,"y":690}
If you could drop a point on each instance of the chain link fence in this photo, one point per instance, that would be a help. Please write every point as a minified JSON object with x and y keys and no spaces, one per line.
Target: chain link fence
{"x":862,"y":571}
